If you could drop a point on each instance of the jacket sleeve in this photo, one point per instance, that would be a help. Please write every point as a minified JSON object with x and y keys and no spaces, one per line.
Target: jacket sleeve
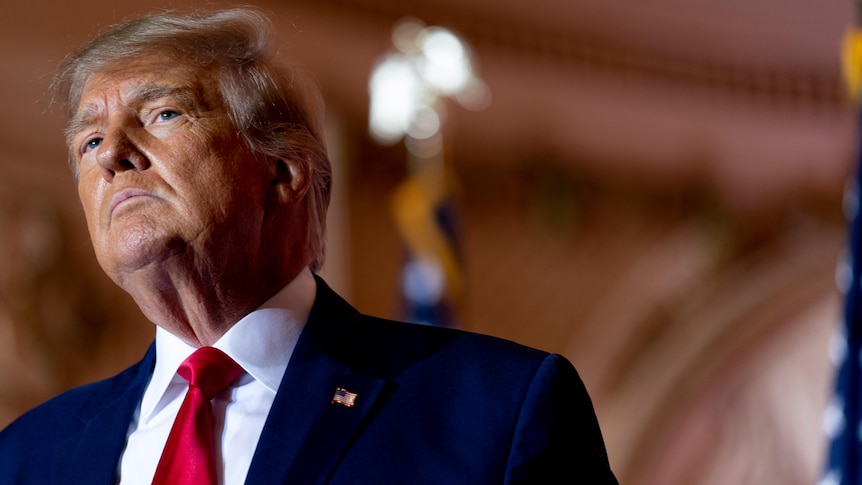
{"x":557,"y":437}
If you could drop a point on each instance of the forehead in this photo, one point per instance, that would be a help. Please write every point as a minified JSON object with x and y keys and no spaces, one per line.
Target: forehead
{"x":146,"y":78}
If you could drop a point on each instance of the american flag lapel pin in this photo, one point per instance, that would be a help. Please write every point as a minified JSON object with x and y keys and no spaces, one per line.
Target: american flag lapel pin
{"x":344,"y":397}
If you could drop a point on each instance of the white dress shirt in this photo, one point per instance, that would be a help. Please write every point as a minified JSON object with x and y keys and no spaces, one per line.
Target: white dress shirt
{"x":261,"y":343}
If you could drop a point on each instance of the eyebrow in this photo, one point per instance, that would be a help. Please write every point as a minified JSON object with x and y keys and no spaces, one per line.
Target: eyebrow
{"x":86,"y":116}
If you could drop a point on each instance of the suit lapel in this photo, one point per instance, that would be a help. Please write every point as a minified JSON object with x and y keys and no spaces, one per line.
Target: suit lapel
{"x":307,"y":433}
{"x":92,"y":455}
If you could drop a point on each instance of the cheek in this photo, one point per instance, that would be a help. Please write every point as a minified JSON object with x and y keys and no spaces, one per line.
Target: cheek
{"x":225,"y":169}
{"x":90,"y":194}
{"x":194,"y":157}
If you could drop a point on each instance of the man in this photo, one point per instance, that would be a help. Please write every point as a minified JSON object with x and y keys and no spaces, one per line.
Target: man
{"x":203,"y":176}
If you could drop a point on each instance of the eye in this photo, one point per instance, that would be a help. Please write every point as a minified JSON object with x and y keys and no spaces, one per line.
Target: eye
{"x":91,"y":144}
{"x":167,"y":115}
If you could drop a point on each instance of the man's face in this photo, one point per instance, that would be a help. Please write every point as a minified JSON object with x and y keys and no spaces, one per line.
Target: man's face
{"x":163,"y":174}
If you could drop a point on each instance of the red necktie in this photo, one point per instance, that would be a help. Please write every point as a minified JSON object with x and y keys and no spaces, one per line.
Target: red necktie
{"x":189,"y":454}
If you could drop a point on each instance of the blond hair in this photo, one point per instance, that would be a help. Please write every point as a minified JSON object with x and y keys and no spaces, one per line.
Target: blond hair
{"x":276,"y":110}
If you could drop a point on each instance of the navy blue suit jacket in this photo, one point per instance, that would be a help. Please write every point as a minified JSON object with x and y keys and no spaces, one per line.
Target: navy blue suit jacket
{"x":433,"y":406}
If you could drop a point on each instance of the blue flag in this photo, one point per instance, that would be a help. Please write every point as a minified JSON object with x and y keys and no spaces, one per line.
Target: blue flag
{"x":424,"y":210}
{"x":843,"y":418}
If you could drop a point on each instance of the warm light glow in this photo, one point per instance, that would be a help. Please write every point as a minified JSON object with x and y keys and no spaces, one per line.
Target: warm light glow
{"x":425,"y":122}
{"x":445,"y":66}
{"x":395,"y":90}
{"x":406,"y":86}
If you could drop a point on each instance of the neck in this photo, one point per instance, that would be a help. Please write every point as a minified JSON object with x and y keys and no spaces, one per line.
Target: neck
{"x":199,"y":305}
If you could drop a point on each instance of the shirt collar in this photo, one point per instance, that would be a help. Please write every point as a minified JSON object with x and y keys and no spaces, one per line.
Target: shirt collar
{"x":262,"y":343}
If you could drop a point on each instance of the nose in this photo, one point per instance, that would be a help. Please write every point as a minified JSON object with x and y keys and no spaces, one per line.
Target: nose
{"x":118,"y":153}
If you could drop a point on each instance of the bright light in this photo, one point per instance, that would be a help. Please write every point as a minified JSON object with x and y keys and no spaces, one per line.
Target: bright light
{"x":431,"y":62}
{"x":395,"y":89}
{"x":446,"y":65}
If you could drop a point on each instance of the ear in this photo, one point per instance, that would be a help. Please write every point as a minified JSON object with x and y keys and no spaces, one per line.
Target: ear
{"x":291,"y":180}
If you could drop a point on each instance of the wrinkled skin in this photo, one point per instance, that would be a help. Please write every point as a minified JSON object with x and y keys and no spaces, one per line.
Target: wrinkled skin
{"x":182,"y":215}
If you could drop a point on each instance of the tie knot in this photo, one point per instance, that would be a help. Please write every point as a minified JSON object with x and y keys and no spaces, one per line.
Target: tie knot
{"x":210,"y":370}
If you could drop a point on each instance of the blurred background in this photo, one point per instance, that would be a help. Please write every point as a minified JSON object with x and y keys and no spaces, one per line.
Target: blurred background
{"x":653,"y":189}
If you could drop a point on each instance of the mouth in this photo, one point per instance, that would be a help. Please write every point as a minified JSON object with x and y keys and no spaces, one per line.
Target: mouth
{"x":125,"y":195}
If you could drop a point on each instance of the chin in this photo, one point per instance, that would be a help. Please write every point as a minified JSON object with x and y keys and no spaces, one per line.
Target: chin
{"x":136,"y":251}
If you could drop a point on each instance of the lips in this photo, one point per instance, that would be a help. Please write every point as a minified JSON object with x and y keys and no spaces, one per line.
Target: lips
{"x":125,"y":195}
